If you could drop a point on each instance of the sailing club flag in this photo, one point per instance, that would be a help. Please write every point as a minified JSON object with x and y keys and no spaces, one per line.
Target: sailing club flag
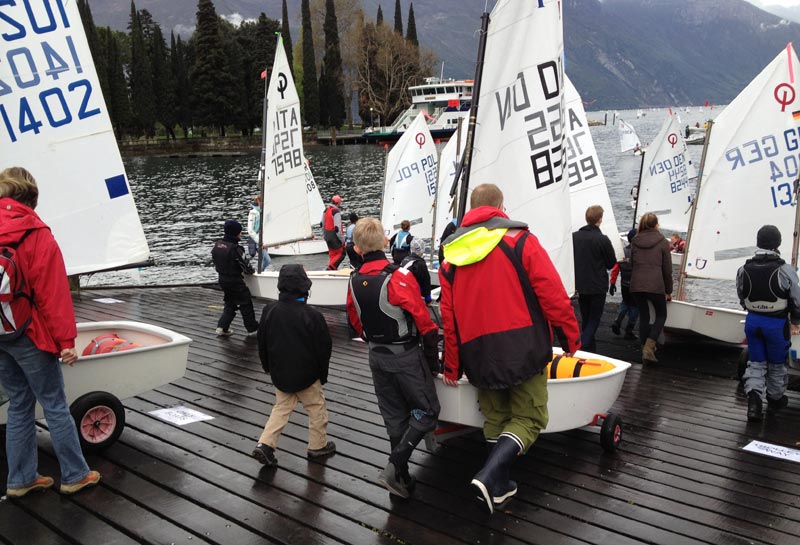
{"x":264,"y":74}
{"x":796,"y":115}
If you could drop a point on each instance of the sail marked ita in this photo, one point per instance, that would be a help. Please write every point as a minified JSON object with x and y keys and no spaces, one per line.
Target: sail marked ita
{"x":54,"y":122}
{"x":286,"y":199}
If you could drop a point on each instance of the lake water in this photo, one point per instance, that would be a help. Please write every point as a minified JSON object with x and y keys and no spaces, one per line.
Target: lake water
{"x":184,"y":202}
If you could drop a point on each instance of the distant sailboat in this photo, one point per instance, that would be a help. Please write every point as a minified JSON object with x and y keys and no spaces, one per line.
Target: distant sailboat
{"x":628,"y":139}
{"x":748,"y":178}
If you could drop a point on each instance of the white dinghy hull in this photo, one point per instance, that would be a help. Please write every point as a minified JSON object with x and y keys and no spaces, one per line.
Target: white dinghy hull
{"x":161,"y":359}
{"x":721,"y":324}
{"x":328,"y":289}
{"x":572,"y":402}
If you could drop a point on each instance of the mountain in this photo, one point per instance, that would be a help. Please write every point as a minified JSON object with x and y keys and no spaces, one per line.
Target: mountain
{"x":791,"y":13}
{"x":620,"y":53}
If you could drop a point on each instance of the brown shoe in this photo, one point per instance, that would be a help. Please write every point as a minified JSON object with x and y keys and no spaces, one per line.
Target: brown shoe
{"x":41,"y":483}
{"x":91,"y":479}
{"x":649,"y":351}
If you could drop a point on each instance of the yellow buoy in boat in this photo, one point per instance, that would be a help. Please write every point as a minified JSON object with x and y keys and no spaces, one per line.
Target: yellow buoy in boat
{"x":571,"y":367}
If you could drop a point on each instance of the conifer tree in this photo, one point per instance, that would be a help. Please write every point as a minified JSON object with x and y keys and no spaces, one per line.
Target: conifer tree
{"x":163,"y":81}
{"x":180,"y":75}
{"x":287,"y":36}
{"x":411,"y":29}
{"x":398,"y":18}
{"x":331,"y":89}
{"x":96,"y":46}
{"x":379,"y":18}
{"x":209,"y":76}
{"x":264,"y":43}
{"x":117,"y":101}
{"x":140,"y":79}
{"x":310,"y":89}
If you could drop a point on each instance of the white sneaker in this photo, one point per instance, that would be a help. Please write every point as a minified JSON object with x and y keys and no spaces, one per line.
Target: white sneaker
{"x":224,"y":332}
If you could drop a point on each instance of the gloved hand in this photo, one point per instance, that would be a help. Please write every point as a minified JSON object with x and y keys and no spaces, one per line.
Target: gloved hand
{"x":430,"y":348}
{"x":612,"y":289}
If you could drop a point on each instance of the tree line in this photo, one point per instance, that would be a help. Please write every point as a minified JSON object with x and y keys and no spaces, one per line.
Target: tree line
{"x":211,"y":82}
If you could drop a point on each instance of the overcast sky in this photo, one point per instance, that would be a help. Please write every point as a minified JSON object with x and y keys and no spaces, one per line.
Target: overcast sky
{"x":775,"y":2}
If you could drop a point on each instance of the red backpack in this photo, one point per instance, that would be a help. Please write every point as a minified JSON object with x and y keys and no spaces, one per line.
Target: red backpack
{"x":14,"y":318}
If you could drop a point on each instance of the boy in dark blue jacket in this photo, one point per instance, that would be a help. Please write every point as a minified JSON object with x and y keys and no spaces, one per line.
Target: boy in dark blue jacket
{"x":295,"y":348}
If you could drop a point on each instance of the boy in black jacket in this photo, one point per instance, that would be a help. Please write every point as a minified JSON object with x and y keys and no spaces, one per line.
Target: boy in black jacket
{"x":295,"y":347}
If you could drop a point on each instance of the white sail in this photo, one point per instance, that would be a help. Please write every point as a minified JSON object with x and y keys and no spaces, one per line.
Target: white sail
{"x":749,"y":174}
{"x":410,"y":184}
{"x":628,"y":138}
{"x":286,"y":209}
{"x":586,"y":181}
{"x":54,"y":122}
{"x":448,"y":160}
{"x":315,"y":205}
{"x":519,"y":135}
{"x":664,"y":187}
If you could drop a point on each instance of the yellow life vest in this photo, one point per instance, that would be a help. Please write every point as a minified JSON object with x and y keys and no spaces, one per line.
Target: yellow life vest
{"x":572,"y":367}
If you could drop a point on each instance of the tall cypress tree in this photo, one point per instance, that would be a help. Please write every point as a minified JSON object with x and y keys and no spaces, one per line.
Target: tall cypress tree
{"x":287,"y":36}
{"x":96,"y":45}
{"x":180,"y":75}
{"x":310,"y":89}
{"x":411,"y":30}
{"x":163,"y":82}
{"x":331,"y":88}
{"x":379,"y":18}
{"x":398,"y":18}
{"x":209,"y":76}
{"x":119,"y":106}
{"x":140,"y":79}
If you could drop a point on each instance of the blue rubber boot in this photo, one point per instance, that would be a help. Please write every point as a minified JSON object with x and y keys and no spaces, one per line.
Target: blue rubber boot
{"x":492,"y":482}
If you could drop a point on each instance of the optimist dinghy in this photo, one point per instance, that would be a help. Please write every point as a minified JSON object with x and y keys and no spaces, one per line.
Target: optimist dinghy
{"x":149,"y":357}
{"x":580,"y":390}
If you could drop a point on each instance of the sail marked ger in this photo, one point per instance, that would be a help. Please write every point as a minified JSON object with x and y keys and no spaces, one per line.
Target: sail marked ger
{"x":750,"y":173}
{"x":54,"y":123}
{"x":519,"y":140}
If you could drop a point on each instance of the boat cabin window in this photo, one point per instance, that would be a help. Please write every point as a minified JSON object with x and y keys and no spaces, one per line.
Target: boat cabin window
{"x":440,"y":90}
{"x":451,"y":89}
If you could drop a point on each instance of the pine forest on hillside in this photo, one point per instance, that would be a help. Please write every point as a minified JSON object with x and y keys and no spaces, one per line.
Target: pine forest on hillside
{"x":211,"y":83}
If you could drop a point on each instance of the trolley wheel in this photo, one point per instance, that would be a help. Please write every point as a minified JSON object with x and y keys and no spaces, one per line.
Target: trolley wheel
{"x":741,"y":364}
{"x":611,"y":432}
{"x":100,"y":418}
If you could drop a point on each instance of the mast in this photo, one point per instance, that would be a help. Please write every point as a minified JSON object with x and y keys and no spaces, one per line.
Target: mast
{"x":682,"y":274}
{"x":262,"y":174}
{"x":638,"y":187}
{"x":796,"y":232}
{"x":464,"y":166}
{"x":436,"y":200}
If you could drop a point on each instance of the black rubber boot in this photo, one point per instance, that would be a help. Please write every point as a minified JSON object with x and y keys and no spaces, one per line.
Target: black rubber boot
{"x":774,"y":405}
{"x":505,"y":487}
{"x":492,"y":482}
{"x":754,"y":407}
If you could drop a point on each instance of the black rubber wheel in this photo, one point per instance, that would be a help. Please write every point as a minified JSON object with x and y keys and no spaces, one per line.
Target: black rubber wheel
{"x":100,"y":419}
{"x":611,"y":432}
{"x":741,"y":364}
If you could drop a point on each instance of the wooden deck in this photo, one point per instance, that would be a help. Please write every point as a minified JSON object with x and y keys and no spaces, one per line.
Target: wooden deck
{"x":680,"y":476}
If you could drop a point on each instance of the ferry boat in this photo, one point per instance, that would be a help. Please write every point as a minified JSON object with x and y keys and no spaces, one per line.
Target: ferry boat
{"x":442,"y":101}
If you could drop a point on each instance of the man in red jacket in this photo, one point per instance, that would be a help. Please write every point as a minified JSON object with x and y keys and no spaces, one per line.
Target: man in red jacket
{"x":385,"y":308}
{"x":490,"y":263}
{"x":333,"y":233}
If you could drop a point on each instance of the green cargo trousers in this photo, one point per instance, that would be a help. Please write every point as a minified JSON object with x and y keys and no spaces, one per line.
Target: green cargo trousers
{"x":520,"y":410}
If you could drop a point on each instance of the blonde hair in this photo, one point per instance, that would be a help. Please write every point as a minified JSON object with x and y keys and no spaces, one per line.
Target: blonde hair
{"x":648,"y":221}
{"x":594,"y":214}
{"x":486,"y":195}
{"x":20,"y":185}
{"x":368,"y":235}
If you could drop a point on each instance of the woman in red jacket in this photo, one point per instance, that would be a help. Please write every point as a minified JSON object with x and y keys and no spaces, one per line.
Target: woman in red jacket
{"x":38,"y":327}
